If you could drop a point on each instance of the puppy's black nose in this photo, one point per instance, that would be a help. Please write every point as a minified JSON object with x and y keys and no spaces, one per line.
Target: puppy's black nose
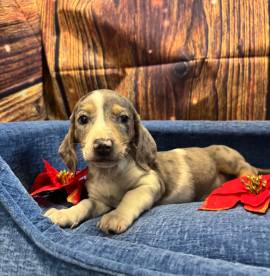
{"x":103,"y":147}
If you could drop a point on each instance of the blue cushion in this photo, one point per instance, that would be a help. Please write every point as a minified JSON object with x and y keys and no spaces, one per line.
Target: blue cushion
{"x":172,"y":239}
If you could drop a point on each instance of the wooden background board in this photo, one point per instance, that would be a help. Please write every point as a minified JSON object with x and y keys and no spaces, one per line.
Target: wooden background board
{"x":200,"y":59}
{"x":188,"y":59}
{"x":20,"y":62}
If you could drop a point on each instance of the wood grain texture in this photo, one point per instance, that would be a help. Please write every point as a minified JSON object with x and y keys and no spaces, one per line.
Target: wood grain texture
{"x":23,"y":106}
{"x":20,"y":62}
{"x":188,"y":59}
{"x":54,"y":93}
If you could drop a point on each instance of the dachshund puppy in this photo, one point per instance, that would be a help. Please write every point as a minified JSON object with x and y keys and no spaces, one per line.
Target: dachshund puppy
{"x":127,"y":175}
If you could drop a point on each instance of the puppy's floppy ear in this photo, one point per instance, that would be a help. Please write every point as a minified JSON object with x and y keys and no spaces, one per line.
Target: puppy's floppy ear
{"x":144,"y":144}
{"x":67,"y":149}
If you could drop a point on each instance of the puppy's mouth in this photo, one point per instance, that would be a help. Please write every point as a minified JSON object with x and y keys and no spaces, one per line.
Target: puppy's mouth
{"x":109,"y":161}
{"x":104,"y":163}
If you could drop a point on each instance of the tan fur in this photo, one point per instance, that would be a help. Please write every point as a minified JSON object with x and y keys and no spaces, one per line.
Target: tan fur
{"x":116,"y":109}
{"x":89,"y":107}
{"x":135,"y":176}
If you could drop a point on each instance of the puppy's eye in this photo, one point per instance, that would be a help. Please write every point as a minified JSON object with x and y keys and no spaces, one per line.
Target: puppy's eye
{"x":123,"y":119}
{"x":83,"y":120}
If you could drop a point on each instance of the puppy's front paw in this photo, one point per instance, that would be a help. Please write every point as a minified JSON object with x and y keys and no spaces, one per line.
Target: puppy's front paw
{"x":63,"y":217}
{"x":113,"y":223}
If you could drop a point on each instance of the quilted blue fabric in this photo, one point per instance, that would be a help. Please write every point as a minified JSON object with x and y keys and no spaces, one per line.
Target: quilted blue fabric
{"x":173,"y":239}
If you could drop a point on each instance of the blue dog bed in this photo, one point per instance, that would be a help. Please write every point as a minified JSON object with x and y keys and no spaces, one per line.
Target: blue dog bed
{"x":172,"y":239}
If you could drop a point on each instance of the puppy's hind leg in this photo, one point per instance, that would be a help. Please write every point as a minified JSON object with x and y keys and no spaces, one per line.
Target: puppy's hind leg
{"x":230,"y":161}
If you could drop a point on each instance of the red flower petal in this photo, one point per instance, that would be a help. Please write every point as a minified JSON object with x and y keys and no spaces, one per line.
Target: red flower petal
{"x":74,"y":187}
{"x":41,"y":180}
{"x":52,"y":173}
{"x":78,"y":176}
{"x":260,"y":208}
{"x":46,"y":180}
{"x":255,"y":199}
{"x":234,"y":186}
{"x":74,"y":196}
{"x":215,"y":202}
{"x":231,"y":192}
{"x":45,"y":188}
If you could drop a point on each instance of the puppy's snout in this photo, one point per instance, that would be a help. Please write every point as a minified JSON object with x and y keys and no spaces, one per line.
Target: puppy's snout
{"x":103,"y":147}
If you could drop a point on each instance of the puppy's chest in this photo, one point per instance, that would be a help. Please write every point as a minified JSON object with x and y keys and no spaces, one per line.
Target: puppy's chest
{"x":112,"y":186}
{"x":108,"y":190}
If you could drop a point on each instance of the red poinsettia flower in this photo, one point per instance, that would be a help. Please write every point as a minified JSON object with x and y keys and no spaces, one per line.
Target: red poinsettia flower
{"x":252,"y":191}
{"x":51,"y":180}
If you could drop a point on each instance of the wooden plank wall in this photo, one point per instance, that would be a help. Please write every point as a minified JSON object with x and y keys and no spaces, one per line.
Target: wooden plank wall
{"x":20,"y":62}
{"x":188,"y":59}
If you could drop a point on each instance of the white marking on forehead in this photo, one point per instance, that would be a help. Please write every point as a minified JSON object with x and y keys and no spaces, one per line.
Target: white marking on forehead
{"x":100,"y":129}
{"x":98,"y":101}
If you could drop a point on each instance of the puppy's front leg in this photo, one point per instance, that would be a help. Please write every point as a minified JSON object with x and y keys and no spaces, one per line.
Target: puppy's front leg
{"x":71,"y":217}
{"x":134,"y":202}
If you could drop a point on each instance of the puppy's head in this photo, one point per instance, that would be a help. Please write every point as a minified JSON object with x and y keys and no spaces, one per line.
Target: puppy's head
{"x":108,"y":129}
